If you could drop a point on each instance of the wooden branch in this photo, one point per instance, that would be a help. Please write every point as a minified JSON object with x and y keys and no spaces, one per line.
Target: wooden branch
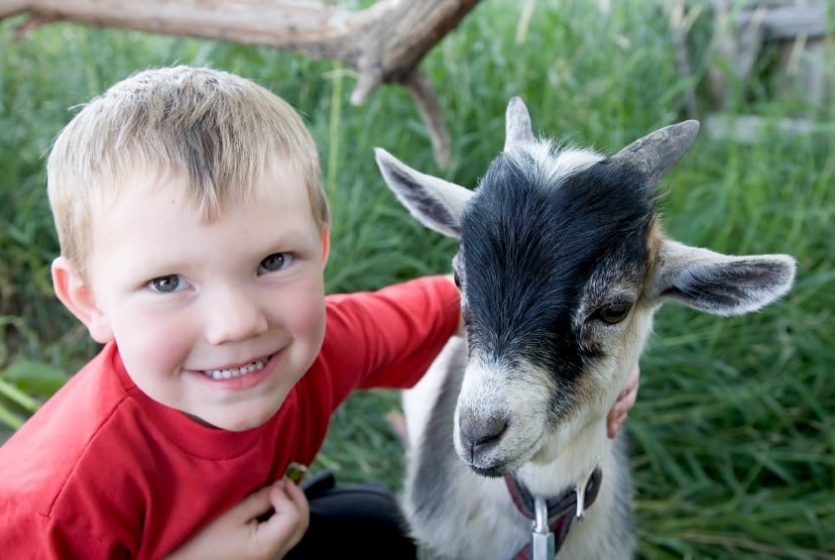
{"x":383,"y":43}
{"x":788,"y":21}
{"x":424,"y":97}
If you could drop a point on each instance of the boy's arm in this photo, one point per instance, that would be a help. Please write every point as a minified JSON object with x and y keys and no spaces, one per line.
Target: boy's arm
{"x":388,"y":338}
{"x":23,"y":533}
{"x":243,"y":533}
{"x":460,"y":330}
{"x":28,"y":533}
{"x":420,"y":320}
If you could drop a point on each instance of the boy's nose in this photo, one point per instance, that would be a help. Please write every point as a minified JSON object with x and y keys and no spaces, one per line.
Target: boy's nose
{"x":232,"y":317}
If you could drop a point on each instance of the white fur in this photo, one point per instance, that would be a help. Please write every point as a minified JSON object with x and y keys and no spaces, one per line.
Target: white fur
{"x":479,"y":520}
{"x":553,"y":161}
{"x":418,"y":401}
{"x":464,"y":515}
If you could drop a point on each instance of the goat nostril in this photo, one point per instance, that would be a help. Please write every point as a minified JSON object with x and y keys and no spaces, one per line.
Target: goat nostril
{"x":479,"y":433}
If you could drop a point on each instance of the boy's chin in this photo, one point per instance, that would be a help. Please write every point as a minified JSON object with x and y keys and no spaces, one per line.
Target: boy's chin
{"x":246,"y":420}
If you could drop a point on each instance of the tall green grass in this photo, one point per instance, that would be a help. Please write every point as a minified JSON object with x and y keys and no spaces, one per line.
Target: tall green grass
{"x":733,"y":439}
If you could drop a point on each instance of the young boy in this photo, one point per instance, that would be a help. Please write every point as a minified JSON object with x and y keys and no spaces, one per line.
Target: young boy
{"x":194,"y":236}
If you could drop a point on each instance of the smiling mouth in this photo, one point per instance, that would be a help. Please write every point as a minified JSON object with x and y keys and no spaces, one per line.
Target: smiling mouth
{"x":231,"y":373}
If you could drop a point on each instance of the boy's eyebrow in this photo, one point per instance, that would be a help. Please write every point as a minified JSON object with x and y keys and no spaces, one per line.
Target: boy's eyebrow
{"x":165,"y":262}
{"x":290,"y":234}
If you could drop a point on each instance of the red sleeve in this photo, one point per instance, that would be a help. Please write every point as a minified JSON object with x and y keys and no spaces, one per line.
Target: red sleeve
{"x":24,"y":533}
{"x":390,"y":337}
{"x":56,"y":500}
{"x":30,"y":534}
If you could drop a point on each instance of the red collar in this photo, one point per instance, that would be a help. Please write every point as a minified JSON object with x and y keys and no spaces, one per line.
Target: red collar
{"x":562,"y":509}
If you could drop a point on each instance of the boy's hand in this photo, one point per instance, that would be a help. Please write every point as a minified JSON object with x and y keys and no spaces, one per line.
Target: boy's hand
{"x":626,"y":400}
{"x":239,"y":534}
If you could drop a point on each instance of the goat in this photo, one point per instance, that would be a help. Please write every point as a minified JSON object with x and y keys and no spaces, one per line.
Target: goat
{"x":561,"y":265}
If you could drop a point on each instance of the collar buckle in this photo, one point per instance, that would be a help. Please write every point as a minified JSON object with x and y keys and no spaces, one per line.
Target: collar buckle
{"x":542,"y":544}
{"x":551,"y":518}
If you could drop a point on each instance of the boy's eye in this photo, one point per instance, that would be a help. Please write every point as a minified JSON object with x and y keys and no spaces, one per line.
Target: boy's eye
{"x":276,"y":261}
{"x":167,"y":284}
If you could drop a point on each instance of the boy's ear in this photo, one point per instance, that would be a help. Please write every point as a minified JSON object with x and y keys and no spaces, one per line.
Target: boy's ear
{"x":326,"y":244}
{"x":76,"y":296}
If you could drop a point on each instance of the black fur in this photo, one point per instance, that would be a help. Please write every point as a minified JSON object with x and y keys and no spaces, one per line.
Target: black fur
{"x":533,"y":248}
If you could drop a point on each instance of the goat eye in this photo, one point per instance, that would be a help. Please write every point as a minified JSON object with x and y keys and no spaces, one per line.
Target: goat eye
{"x":613,"y":312}
{"x":456,"y":279}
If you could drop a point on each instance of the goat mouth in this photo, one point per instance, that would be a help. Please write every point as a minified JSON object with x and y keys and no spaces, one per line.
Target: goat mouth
{"x":501,"y":467}
{"x":490,"y":472}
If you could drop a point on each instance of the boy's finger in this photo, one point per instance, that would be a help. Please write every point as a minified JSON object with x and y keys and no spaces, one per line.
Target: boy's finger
{"x":287,"y":498}
{"x":612,"y":426}
{"x":255,"y":505}
{"x":633,"y":379}
{"x":624,"y":403}
{"x":612,"y":422}
{"x":298,"y":498}
{"x":628,"y":400}
{"x":291,"y":518}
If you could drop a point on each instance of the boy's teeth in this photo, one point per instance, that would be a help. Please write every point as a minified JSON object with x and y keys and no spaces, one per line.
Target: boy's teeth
{"x":237,"y":372}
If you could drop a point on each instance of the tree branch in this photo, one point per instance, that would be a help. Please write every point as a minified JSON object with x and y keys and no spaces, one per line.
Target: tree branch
{"x":384,"y":43}
{"x":418,"y":86}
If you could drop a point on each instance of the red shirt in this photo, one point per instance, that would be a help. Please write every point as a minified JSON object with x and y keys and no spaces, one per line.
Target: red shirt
{"x":103,"y":471}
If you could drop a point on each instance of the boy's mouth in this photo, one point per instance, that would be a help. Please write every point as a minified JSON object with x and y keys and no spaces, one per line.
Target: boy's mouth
{"x":237,"y":372}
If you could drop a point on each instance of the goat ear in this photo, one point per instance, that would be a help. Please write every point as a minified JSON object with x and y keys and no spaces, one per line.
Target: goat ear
{"x":656,"y":153}
{"x":436,"y":203}
{"x":720,"y":284}
{"x":517,"y":124}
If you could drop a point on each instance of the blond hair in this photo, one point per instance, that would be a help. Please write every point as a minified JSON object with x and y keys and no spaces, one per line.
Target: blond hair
{"x":217,"y":129}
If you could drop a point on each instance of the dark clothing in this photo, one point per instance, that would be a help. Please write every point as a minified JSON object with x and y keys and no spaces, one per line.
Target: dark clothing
{"x":362,"y":521}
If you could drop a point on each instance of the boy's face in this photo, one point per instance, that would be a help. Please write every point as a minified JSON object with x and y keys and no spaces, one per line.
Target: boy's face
{"x":218,"y":320}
